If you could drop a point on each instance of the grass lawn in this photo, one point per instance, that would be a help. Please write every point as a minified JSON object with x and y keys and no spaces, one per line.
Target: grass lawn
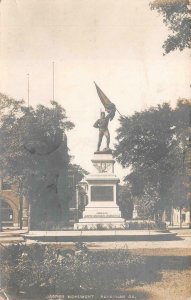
{"x":170,"y":271}
{"x":164,"y":275}
{"x":174,"y":285}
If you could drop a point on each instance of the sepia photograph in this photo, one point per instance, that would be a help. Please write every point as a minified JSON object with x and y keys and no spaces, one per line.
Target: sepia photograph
{"x":95,"y":149}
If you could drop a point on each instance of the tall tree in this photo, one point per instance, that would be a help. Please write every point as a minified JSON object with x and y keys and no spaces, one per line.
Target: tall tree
{"x":125,"y":201}
{"x":177,"y":17}
{"x":151,"y":146}
{"x":34,"y":152}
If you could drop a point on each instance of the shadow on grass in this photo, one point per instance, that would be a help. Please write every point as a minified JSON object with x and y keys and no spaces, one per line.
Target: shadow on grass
{"x":151,"y":270}
{"x":159,"y":263}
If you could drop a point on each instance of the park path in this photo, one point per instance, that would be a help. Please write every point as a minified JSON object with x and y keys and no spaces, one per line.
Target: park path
{"x":184,"y":242}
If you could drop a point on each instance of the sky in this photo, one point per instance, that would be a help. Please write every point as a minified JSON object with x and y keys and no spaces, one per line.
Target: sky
{"x":118,"y":44}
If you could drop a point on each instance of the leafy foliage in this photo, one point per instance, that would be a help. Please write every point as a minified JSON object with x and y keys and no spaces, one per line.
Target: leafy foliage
{"x":144,"y":225}
{"x":39,"y":269}
{"x":125,"y":201}
{"x":33,"y":151}
{"x":176,"y":16}
{"x":78,"y":171}
{"x":151,"y":146}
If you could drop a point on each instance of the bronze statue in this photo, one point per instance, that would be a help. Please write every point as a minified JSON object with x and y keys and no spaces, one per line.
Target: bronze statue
{"x":102,"y":124}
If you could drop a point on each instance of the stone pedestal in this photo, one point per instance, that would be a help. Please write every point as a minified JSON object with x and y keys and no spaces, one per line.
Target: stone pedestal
{"x":102,"y":211}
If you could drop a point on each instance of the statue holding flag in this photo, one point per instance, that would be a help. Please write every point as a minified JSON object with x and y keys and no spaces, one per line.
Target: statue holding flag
{"x":102,"y":123}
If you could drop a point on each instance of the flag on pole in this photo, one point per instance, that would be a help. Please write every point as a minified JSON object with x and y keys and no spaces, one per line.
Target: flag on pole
{"x":108,"y":105}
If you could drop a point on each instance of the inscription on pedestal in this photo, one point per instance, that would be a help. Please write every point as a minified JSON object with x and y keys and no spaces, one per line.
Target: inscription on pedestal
{"x":102,"y":193}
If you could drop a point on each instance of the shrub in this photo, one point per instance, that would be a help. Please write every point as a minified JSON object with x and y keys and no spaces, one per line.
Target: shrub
{"x":41,"y":269}
{"x":31,"y":269}
{"x":144,"y":225}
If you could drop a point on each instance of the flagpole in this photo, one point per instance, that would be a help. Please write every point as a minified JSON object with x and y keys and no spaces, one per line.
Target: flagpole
{"x":28,"y":89}
{"x":119,"y":113}
{"x":53,"y":81}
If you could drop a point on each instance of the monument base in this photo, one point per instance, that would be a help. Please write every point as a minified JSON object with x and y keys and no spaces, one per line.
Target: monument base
{"x":102,"y":211}
{"x":98,"y":216}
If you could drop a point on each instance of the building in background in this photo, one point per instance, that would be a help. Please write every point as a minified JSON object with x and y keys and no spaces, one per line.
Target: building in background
{"x":13,"y":209}
{"x":181,"y":217}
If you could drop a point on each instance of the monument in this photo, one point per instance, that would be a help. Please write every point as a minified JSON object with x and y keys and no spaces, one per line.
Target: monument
{"x":102,"y":211}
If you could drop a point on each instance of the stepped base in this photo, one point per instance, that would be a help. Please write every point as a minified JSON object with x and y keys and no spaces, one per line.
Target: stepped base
{"x":103,"y":216}
{"x":100,"y":236}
